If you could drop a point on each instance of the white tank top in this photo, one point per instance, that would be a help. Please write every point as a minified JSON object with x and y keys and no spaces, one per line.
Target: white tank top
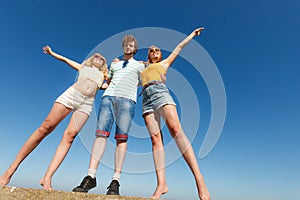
{"x":91,"y":73}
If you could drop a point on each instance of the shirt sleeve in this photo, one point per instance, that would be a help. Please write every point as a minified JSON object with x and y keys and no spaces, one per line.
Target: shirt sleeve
{"x":142,"y":66}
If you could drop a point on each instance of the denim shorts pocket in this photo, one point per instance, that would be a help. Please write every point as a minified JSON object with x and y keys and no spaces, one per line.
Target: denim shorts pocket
{"x":156,"y":89}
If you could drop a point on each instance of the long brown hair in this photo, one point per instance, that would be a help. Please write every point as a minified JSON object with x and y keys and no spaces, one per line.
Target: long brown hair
{"x":148,"y":57}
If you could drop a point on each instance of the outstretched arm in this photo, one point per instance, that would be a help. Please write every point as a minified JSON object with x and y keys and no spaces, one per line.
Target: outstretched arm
{"x":73,"y":64}
{"x":168,"y":61}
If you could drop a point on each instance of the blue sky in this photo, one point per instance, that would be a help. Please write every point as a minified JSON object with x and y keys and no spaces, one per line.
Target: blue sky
{"x":255,"y":45}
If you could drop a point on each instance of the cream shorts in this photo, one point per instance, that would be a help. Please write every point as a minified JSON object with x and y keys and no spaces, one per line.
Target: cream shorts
{"x":73,"y":99}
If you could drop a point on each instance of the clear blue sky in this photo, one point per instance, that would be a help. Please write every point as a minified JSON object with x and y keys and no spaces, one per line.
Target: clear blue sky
{"x":255,"y":45}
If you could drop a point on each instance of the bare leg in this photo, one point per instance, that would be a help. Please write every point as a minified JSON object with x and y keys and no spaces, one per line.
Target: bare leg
{"x":97,"y":152}
{"x":169,"y":113}
{"x":152,"y":122}
{"x":120,"y":155}
{"x":57,"y":113}
{"x":77,"y":121}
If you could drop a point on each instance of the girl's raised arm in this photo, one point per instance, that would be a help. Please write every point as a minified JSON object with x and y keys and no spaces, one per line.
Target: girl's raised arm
{"x":47,"y":50}
{"x":168,"y":61}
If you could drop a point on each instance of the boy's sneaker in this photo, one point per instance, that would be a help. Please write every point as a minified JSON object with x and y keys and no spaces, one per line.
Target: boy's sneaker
{"x":87,"y":183}
{"x":113,"y":188}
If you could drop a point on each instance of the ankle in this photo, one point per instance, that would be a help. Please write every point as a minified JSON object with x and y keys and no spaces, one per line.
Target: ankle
{"x":116,"y":176}
{"x":11,"y":169}
{"x":162,"y":188}
{"x":92,"y":172}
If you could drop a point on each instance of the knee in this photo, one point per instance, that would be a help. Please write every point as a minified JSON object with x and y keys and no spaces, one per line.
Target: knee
{"x":156,"y":139}
{"x":69,"y":136}
{"x":46,"y":127}
{"x":175,"y":130}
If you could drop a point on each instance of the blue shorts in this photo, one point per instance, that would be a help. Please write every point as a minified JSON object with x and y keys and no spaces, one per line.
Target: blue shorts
{"x":155,"y":96}
{"x":117,"y":109}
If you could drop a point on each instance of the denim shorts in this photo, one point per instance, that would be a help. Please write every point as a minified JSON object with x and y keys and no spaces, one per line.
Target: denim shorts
{"x":156,"y":96}
{"x":115,"y":109}
{"x":73,"y":99}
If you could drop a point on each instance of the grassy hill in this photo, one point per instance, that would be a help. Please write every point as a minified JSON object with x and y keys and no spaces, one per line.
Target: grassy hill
{"x":16,"y":193}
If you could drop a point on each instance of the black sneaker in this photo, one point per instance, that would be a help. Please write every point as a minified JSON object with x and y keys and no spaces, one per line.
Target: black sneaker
{"x":113,"y":188}
{"x":87,"y":183}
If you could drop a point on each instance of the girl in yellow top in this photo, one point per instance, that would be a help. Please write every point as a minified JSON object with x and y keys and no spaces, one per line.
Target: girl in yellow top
{"x":157,"y":102}
{"x":79,"y":98}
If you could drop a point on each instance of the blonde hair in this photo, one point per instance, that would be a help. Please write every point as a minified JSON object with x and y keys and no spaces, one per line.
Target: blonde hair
{"x":89,"y":62}
{"x":130,"y":38}
{"x":148,"y":57}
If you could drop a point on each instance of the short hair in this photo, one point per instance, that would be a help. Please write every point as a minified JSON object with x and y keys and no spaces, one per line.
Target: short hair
{"x":130,"y":38}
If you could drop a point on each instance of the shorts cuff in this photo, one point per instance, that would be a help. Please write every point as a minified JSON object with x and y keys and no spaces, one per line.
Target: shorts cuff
{"x":100,"y":133}
{"x":121,"y":137}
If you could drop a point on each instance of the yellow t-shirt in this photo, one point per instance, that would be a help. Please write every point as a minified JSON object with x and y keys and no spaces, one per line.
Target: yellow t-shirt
{"x":153,"y":72}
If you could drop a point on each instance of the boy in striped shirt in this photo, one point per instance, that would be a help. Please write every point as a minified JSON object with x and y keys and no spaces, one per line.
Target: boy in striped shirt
{"x":117,"y":105}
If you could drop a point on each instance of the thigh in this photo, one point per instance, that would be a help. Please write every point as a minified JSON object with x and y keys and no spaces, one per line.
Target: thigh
{"x":170,"y":115}
{"x":152,"y":121}
{"x":105,"y":115}
{"x":124,"y":114}
{"x":57,"y":113}
{"x":77,"y":121}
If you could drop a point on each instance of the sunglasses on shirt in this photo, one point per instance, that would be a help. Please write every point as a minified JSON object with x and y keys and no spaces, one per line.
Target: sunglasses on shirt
{"x":125,"y":63}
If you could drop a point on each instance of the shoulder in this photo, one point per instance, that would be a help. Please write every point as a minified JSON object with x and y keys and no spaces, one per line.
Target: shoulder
{"x":138,"y":64}
{"x":115,"y":63}
{"x":142,"y":62}
{"x":164,"y":64}
{"x":83,"y":68}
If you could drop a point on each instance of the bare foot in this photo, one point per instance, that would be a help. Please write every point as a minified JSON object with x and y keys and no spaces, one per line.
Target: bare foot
{"x":160,"y":190}
{"x":203,"y":191}
{"x":46,"y":184}
{"x":5,"y":178}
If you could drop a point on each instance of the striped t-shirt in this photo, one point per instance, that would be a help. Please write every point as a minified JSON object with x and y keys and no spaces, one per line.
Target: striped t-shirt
{"x":124,"y":81}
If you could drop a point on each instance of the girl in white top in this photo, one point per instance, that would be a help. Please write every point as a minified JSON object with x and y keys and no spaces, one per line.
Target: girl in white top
{"x":78,"y":98}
